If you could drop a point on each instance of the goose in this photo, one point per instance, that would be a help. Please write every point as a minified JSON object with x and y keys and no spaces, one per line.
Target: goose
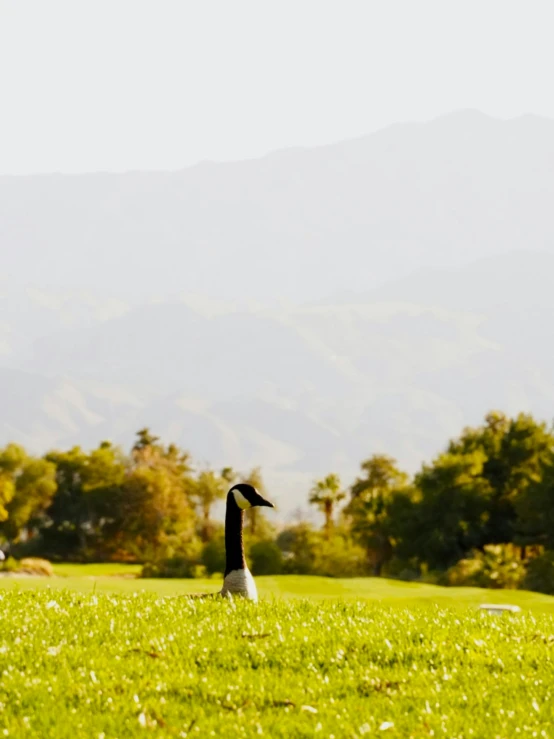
{"x":237,"y":579}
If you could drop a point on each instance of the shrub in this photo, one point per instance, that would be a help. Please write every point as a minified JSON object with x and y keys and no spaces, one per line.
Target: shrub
{"x":339,"y":556}
{"x":465,"y":572}
{"x":540,"y":574}
{"x":177,"y":559}
{"x":266,"y":558}
{"x":177,"y":567}
{"x":495,"y":567}
{"x":213,"y":555}
{"x":9,"y":565}
{"x":298,"y":544}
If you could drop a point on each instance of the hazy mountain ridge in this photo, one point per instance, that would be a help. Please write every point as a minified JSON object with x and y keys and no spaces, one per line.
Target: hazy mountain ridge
{"x":300,"y":223}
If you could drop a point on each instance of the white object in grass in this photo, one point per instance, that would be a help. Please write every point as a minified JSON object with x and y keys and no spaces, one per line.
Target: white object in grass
{"x":499,"y":608}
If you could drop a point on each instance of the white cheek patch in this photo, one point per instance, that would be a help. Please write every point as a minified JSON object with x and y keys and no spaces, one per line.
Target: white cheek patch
{"x":241,"y":500}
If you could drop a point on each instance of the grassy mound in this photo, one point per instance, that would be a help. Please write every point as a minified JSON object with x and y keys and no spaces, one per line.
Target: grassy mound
{"x":96,"y":665}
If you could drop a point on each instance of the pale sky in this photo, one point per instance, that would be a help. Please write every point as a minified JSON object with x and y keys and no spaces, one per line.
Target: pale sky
{"x":89,"y":85}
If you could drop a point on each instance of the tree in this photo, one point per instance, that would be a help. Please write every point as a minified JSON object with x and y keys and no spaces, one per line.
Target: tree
{"x":208,"y":489}
{"x":34,"y":485}
{"x":535,"y":511}
{"x":445,"y":518}
{"x":489,"y":487}
{"x":326,"y":494}
{"x":86,"y":504}
{"x":155,"y":499}
{"x":370,"y":498}
{"x":7,"y":489}
{"x":11,"y":458}
{"x":517,"y":451}
{"x":66,"y":533}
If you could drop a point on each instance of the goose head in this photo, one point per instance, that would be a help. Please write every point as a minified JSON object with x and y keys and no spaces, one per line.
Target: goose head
{"x":246,"y":496}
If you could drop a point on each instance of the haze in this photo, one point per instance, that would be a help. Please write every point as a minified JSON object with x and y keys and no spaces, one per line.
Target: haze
{"x":135,"y":84}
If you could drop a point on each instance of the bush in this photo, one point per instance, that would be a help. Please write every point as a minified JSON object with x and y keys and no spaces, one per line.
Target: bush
{"x":465,"y":572}
{"x":177,"y":567}
{"x":398,"y":568}
{"x":177,"y":559}
{"x":9,"y":565}
{"x":298,"y":544}
{"x":540,"y":574}
{"x":495,"y":567}
{"x":213,"y":555}
{"x":266,"y":558}
{"x":339,"y":556}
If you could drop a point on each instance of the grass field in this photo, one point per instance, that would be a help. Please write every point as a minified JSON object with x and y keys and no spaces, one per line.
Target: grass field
{"x":353,"y":658}
{"x":114,"y":578}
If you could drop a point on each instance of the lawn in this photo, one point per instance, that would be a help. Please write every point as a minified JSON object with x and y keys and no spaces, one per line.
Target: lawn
{"x":83,"y":664}
{"x":114,"y":578}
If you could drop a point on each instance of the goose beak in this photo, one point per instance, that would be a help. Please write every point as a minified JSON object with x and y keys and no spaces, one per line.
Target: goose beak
{"x":266,"y":503}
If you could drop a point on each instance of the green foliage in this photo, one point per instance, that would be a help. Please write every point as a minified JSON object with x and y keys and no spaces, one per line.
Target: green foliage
{"x":368,"y":509}
{"x":266,"y":558}
{"x":299,"y":546}
{"x":306,"y":551}
{"x":27,"y":486}
{"x":540,"y":574}
{"x":326,"y":494}
{"x":495,"y":567}
{"x":177,"y":558}
{"x":447,"y":520}
{"x":124,"y":666}
{"x":206,"y":490}
{"x":493,"y":486}
{"x":515,"y":454}
{"x":213,"y":554}
{"x":340,"y":556}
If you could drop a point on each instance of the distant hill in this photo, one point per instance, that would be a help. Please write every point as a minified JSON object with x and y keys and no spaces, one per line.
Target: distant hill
{"x":300,"y":223}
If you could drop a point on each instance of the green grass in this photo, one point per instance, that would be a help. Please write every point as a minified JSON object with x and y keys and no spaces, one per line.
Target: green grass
{"x":113,"y":578}
{"x":109,"y":569}
{"x":102,"y":665}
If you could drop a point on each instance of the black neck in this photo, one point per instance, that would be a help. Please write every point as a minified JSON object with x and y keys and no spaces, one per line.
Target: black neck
{"x":234,"y":547}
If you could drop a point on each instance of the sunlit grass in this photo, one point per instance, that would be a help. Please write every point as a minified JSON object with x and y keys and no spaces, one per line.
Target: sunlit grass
{"x":114,"y":578}
{"x":92,"y":665}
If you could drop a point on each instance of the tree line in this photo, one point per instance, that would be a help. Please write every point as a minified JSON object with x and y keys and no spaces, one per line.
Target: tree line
{"x":481,"y":512}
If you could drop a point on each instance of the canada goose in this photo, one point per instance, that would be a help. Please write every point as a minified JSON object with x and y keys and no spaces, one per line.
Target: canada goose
{"x":237,"y":578}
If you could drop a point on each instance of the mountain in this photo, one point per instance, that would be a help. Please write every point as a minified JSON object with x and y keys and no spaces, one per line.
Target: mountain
{"x":298,"y":312}
{"x":301,"y":223}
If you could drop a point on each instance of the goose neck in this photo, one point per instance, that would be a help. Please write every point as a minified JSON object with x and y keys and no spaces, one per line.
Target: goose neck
{"x":234,"y":545}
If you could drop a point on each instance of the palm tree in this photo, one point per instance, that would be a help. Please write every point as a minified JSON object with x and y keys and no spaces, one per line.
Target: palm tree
{"x":209,"y":488}
{"x":326,"y":494}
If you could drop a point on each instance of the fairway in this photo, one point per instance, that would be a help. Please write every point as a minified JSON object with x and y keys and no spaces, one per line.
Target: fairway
{"x":114,"y":578}
{"x":98,"y":665}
